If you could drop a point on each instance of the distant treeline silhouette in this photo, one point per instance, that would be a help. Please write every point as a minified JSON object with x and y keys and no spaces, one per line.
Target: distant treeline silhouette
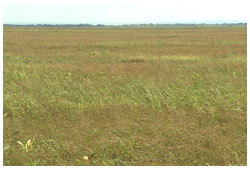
{"x":129,"y":25}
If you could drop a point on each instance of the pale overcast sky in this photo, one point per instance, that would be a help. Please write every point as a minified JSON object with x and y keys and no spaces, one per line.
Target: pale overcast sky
{"x":126,"y":11}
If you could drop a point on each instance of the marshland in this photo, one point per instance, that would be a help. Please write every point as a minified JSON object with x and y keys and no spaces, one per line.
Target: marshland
{"x":125,"y":96}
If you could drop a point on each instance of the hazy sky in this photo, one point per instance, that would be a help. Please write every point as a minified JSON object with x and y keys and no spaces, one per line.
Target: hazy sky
{"x":126,"y":11}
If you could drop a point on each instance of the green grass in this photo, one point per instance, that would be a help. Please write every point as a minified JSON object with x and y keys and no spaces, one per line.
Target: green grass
{"x":128,"y":109}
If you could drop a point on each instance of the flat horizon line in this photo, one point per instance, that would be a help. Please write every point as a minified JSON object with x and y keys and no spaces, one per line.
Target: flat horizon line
{"x":127,"y":24}
{"x":219,"y":21}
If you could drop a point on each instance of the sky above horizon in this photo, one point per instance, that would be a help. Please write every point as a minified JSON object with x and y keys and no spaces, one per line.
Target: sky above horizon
{"x":124,"y":12}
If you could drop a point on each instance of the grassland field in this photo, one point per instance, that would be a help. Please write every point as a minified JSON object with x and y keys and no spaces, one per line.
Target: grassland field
{"x":125,"y":96}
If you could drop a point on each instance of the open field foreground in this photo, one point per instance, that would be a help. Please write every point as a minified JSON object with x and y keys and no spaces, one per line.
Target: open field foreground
{"x":125,"y":96}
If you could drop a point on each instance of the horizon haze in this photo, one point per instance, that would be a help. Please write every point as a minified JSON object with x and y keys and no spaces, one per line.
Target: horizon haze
{"x":130,"y":12}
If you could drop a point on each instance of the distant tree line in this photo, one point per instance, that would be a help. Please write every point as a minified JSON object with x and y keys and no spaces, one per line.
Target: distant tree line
{"x":56,"y":25}
{"x":129,"y":25}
